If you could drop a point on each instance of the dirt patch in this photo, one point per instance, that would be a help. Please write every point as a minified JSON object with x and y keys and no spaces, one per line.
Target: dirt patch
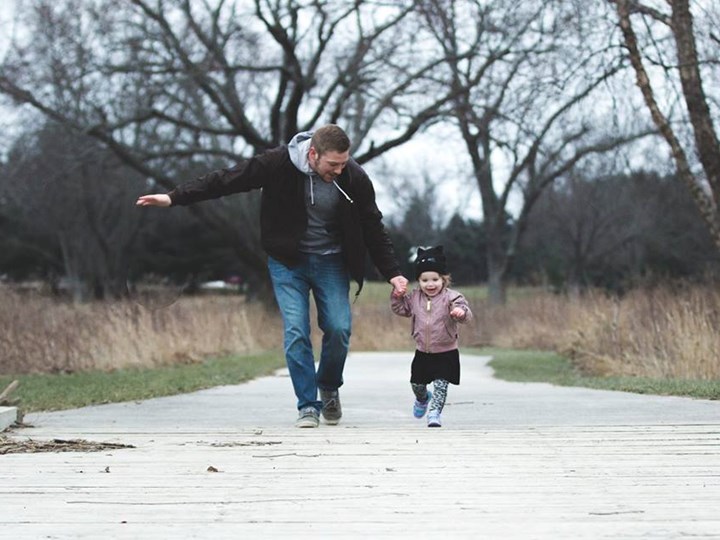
{"x":9,"y":445}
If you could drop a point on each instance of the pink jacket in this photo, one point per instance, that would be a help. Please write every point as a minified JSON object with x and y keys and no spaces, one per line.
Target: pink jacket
{"x":433,"y":329}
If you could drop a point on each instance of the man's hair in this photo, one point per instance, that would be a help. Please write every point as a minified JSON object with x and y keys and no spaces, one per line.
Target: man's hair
{"x":330,"y":138}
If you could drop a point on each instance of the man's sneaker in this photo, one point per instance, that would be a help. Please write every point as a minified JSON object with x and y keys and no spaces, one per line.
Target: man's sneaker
{"x":307,"y":418}
{"x":420,"y":407}
{"x":331,"y":408}
{"x":434,"y":419}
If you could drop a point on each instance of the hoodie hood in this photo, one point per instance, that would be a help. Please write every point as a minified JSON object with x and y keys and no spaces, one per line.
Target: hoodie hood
{"x":298,"y":147}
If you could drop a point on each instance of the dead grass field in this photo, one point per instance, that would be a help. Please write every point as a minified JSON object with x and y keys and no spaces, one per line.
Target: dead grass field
{"x":663,"y":332}
{"x":39,"y":334}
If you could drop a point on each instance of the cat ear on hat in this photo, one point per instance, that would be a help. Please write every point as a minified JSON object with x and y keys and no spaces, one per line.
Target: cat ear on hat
{"x":435,"y":251}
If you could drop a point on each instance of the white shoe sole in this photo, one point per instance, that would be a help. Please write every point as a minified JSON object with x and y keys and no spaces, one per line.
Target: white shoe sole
{"x":307,"y":422}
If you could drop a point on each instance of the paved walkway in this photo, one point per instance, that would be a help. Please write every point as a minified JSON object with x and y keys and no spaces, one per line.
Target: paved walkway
{"x":521,"y":461}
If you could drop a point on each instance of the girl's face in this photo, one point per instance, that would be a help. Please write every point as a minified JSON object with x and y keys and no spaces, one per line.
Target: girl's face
{"x":430,"y":283}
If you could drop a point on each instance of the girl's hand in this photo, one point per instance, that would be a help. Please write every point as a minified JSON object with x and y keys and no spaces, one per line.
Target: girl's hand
{"x":399,"y":284}
{"x":457,"y":313}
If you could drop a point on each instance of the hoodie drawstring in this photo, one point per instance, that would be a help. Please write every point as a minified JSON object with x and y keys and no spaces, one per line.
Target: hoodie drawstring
{"x":341,"y":191}
{"x":312,"y":192}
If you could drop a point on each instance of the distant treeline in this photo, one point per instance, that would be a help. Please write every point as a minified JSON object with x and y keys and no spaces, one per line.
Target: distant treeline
{"x":611,"y":232}
{"x":67,"y":213}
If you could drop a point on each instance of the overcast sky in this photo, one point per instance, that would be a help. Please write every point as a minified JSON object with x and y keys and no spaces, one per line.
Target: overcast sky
{"x":7,"y":10}
{"x":432,"y":153}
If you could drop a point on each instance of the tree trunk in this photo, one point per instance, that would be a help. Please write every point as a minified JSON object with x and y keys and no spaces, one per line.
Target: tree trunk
{"x":697,"y":106}
{"x":497,"y":293}
{"x":706,"y":138}
{"x":497,"y":265}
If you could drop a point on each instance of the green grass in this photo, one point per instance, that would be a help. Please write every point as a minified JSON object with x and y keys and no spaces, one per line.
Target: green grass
{"x":548,"y":367}
{"x":47,"y":392}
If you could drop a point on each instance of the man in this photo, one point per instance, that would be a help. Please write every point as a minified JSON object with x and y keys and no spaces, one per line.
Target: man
{"x":318,"y":221}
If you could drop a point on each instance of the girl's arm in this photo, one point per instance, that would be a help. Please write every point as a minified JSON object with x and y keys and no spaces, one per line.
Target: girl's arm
{"x":460,"y":309}
{"x":401,"y":305}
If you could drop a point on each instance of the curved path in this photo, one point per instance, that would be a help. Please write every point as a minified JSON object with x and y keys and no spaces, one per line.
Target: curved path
{"x":513,"y":460}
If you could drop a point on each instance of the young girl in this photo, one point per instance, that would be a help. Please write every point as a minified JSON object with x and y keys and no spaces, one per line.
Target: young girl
{"x":436,"y":311}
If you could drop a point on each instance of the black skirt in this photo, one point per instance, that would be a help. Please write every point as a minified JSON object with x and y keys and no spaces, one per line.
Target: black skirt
{"x":426,"y":367}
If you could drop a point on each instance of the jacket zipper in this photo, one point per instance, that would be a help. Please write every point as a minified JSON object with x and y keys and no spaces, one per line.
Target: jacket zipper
{"x":428,"y":334}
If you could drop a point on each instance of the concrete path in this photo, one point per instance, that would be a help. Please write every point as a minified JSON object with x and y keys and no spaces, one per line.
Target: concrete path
{"x":8,"y":416}
{"x":525,"y":461}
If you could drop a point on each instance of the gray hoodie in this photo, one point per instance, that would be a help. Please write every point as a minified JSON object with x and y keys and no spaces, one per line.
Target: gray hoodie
{"x":322,"y":200}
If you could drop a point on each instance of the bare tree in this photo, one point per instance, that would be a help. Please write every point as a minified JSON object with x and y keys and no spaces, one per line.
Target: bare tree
{"x":522,"y":74}
{"x":170,"y":86}
{"x":695,"y":54}
{"x":71,"y":193}
{"x":588,"y":221}
{"x":616,"y":230}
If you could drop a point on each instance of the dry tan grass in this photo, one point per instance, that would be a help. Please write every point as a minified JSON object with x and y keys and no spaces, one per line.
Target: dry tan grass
{"x":656,"y":333}
{"x":662,"y":332}
{"x":38,"y":334}
{"x":376,"y":328}
{"x":652,"y":333}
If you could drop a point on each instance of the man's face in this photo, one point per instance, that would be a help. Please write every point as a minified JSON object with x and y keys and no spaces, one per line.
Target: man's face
{"x":329,"y":165}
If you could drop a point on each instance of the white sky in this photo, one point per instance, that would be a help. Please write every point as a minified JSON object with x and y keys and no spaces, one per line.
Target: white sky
{"x":440,"y":155}
{"x":7,"y":11}
{"x":435,"y":154}
{"x":8,"y":117}
{"x":429,"y":153}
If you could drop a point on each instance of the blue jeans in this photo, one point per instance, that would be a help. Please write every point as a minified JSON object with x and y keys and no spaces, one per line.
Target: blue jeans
{"x":328,"y":279}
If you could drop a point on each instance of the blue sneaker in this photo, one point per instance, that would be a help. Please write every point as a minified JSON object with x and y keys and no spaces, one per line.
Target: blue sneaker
{"x":434,"y":419}
{"x":420,"y":407}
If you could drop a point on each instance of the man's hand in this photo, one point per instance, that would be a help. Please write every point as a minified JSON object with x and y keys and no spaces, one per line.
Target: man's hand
{"x":159,"y":199}
{"x":399,"y":284}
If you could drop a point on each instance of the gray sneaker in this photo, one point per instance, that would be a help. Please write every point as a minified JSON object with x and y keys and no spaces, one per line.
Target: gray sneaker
{"x":331,"y":408}
{"x":308,"y":417}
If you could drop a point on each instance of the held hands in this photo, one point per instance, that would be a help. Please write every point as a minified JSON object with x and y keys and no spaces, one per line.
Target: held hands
{"x":399,"y":284}
{"x":457,"y":313}
{"x":159,"y":199}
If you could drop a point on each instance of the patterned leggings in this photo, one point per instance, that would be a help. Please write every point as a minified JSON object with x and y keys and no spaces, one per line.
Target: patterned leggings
{"x":440,"y":387}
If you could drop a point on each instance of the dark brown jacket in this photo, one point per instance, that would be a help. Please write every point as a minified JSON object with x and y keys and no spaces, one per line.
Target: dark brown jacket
{"x":283,"y":215}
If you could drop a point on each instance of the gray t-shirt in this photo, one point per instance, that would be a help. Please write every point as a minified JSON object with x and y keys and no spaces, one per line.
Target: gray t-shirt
{"x":322,"y":200}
